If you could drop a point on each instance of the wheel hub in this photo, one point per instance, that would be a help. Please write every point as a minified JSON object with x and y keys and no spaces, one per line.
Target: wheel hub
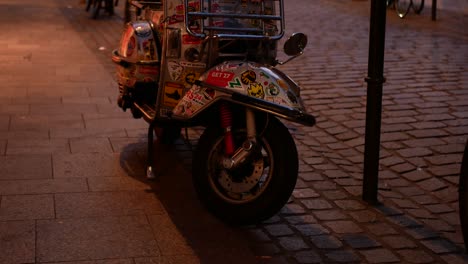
{"x":242,"y":183}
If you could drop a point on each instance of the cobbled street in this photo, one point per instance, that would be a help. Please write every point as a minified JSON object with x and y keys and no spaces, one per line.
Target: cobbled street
{"x":72,"y":164}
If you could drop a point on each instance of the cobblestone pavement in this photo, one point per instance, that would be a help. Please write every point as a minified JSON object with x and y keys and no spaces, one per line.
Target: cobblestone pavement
{"x":72,"y":186}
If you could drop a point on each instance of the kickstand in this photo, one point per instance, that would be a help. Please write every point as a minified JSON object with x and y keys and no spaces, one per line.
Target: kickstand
{"x":149,"y":163}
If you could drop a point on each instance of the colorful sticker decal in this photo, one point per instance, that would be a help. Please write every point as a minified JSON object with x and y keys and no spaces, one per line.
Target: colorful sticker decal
{"x":282,"y":84}
{"x":248,"y":77}
{"x":236,"y":83}
{"x":148,"y":49}
{"x":191,"y":77}
{"x":188,"y":39}
{"x":149,"y":70}
{"x":175,"y":70}
{"x":272,"y":90}
{"x":219,"y":78}
{"x":192,"y":64}
{"x":172,"y":93}
{"x":256,"y":90}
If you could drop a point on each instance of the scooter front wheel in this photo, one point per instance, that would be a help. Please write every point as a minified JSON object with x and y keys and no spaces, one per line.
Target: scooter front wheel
{"x":255,"y":190}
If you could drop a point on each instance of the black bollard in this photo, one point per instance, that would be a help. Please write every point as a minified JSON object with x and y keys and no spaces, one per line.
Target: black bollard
{"x":374,"y":81}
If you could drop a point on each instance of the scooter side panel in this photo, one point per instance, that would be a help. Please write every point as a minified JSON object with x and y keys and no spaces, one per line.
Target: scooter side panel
{"x":242,"y":77}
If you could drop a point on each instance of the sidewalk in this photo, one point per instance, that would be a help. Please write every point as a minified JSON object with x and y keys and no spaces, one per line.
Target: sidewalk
{"x":72,"y":180}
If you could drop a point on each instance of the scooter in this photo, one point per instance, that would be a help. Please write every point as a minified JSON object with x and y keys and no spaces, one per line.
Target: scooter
{"x":211,"y":63}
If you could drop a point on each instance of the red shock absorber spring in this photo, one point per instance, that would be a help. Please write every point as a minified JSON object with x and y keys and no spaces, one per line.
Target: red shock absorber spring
{"x":226,"y":124}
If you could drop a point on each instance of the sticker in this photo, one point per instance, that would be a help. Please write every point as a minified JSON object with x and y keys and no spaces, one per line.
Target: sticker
{"x":219,"y":78}
{"x":248,"y":77}
{"x":148,"y":70}
{"x":172,"y":93}
{"x":187,"y":39}
{"x":235,"y":83}
{"x":175,"y":70}
{"x":148,"y":49}
{"x":190,"y":78}
{"x":256,"y":90}
{"x":272,"y":90}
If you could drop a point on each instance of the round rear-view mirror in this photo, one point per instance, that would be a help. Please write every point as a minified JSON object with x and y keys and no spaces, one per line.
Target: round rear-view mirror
{"x":295,"y":44}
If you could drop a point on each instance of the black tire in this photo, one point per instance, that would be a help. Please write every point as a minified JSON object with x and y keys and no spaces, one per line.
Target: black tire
{"x":463,"y":196}
{"x":97,"y":4}
{"x":272,"y":174}
{"x":418,"y":6}
{"x":402,"y":7}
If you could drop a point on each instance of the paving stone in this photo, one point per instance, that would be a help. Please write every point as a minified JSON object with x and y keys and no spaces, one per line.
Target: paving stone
{"x":334,"y":194}
{"x":398,"y":242}
{"x":12,"y":168}
{"x":445,"y":170}
{"x":100,"y":184}
{"x":412,"y":152}
{"x":350,"y":205}
{"x":37,"y":146}
{"x":46,"y":186}
{"x":417,"y":175}
{"x":342,"y":227}
{"x":316,"y":204}
{"x":421,"y":213}
{"x":169,"y":240}
{"x":330,"y":214}
{"x":342,"y":256}
{"x":300,"y":219}
{"x":311,"y":229}
{"x":291,"y":209}
{"x":380,"y":255}
{"x":40,"y":122}
{"x":89,"y":238}
{"x":326,"y":242}
{"x":307,"y":257}
{"x":305,"y":193}
{"x":404,"y":167}
{"x":90,"y":145}
{"x":439,"y":246}
{"x":278,"y":230}
{"x":364,"y":216}
{"x":432,"y":184}
{"x":94,"y":165}
{"x":293,"y":243}
{"x":455,"y":258}
{"x":381,"y":229}
{"x":26,"y":207}
{"x":17,"y":241}
{"x":444,"y":159}
{"x":90,"y":204}
{"x":405,"y":221}
{"x":360,"y":241}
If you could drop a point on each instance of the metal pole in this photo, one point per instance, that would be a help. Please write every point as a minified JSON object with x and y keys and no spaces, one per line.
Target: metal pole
{"x":374,"y":81}
{"x":434,"y":10}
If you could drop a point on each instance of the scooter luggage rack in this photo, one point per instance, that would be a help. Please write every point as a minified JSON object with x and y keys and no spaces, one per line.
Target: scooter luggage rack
{"x":257,"y":32}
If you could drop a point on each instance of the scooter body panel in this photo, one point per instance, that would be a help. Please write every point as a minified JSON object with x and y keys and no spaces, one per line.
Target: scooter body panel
{"x":241,"y":77}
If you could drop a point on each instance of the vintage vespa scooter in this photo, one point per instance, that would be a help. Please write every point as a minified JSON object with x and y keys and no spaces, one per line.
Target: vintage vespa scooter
{"x":211,"y":63}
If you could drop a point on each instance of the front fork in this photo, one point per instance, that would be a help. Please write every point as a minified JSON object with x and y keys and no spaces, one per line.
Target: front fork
{"x":235,"y":157}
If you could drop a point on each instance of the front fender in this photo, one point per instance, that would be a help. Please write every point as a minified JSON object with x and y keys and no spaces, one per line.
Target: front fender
{"x":248,"y":83}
